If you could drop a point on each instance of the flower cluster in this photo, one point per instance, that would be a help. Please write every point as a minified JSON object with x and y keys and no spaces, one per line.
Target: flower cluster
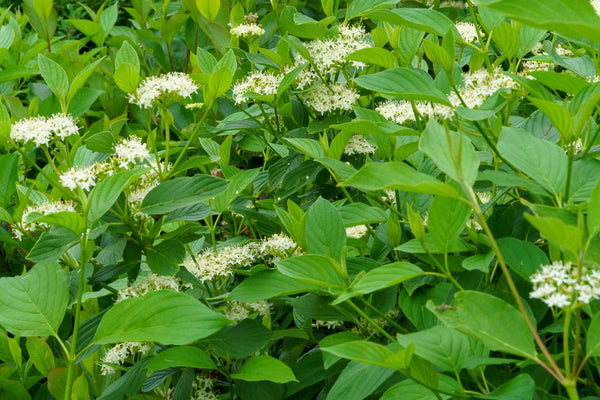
{"x":468,"y":31}
{"x":237,"y":311}
{"x":596,"y":5}
{"x":155,"y":87}
{"x":358,"y":144}
{"x":327,"y":324}
{"x":329,"y":55}
{"x":148,"y":284}
{"x":327,"y":98}
{"x":42,"y":130}
{"x":83,"y":177}
{"x":561,"y":285}
{"x":247,"y":29}
{"x":402,"y":111}
{"x":45,"y":208}
{"x":203,"y":388}
{"x":259,"y":82}
{"x":120,"y":353}
{"x":130,"y":151}
{"x":478,"y":86}
{"x":357,"y":232}
{"x":207,"y":266}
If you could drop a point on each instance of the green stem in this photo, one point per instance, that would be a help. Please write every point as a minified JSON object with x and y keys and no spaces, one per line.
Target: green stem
{"x":370,"y":321}
{"x":571,"y":388}
{"x":165,"y":118}
{"x":382,"y":315}
{"x":566,"y":351}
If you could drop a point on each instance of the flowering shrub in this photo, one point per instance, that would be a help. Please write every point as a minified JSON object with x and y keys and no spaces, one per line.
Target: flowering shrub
{"x":354,"y":199}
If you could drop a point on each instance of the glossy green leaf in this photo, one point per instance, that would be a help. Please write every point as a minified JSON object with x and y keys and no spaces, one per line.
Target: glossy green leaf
{"x":265,"y":368}
{"x":127,"y":77}
{"x":497,"y":324}
{"x":396,"y":175}
{"x":69,"y":220}
{"x":81,"y":78}
{"x":521,"y":387}
{"x":324,"y":229}
{"x":34,"y":304}
{"x":358,"y":380}
{"x":525,"y":258}
{"x":105,"y":193}
{"x":127,"y":54}
{"x":451,"y":151}
{"x":542,"y":160}
{"x":592,"y":339}
{"x":423,"y":19}
{"x":9,"y":165}
{"x":411,"y":390}
{"x":164,"y":258}
{"x":405,"y":83}
{"x":163,"y":316}
{"x":559,"y":115}
{"x":54,"y":75}
{"x":268,"y":284}
{"x":208,"y":8}
{"x":182,"y":192}
{"x":181,"y":356}
{"x":362,"y":7}
{"x":41,"y":354}
{"x":313,"y":269}
{"x":381,"y":278}
{"x":374,"y":56}
{"x":52,"y":244}
{"x":557,"y":231}
{"x":447,"y":219}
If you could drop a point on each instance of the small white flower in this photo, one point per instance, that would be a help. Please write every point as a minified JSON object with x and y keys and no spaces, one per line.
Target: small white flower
{"x":357,"y":232}
{"x":468,"y":31}
{"x":42,"y":130}
{"x":259,"y":82}
{"x":131,"y":151}
{"x":247,"y":30}
{"x":79,"y":177}
{"x":401,"y":111}
{"x":45,"y":208}
{"x":120,"y":353}
{"x":149,"y":283}
{"x":153,"y":87}
{"x":358,"y":144}
{"x":327,"y":98}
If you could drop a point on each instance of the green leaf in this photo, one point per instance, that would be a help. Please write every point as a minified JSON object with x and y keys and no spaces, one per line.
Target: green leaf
{"x":239,"y":341}
{"x":9,"y":165}
{"x":52,"y":244}
{"x":422,"y":19}
{"x":405,"y":83}
{"x":396,"y":175}
{"x":447,"y":219}
{"x":69,"y":220}
{"x":265,"y":368}
{"x":163,"y":316}
{"x":560,"y":233}
{"x":443,"y":346}
{"x":219,"y":82}
{"x":436,"y":53}
{"x":237,"y":184}
{"x":575,"y":18}
{"x":324,"y":228}
{"x":313,"y":269}
{"x":563,"y":82}
{"x":451,"y":151}
{"x":310,"y":147}
{"x":55,"y":76}
{"x":381,"y":278}
{"x":40,"y":354}
{"x":183,"y":356}
{"x":592,"y":340}
{"x":358,"y":380}
{"x":523,"y":257}
{"x":489,"y":319}
{"x":268,"y":284}
{"x":91,"y":29}
{"x":182,"y":192}
{"x":206,"y":61}
{"x":164,"y":258}
{"x":411,"y":390}
{"x":208,"y":8}
{"x":127,"y":54}
{"x":81,"y":78}
{"x":127,"y":77}
{"x":559,"y":115}
{"x":507,"y":38}
{"x":521,"y":387}
{"x":375,"y":56}
{"x":593,"y":214}
{"x":34,"y":304}
{"x":107,"y":192}
{"x":362,"y":351}
{"x":542,"y":160}
{"x":361,"y":7}
{"x":43,"y":8}
{"x":360,"y":214}
{"x":172,"y":26}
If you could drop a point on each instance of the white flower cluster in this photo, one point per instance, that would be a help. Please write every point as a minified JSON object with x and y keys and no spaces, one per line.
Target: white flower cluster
{"x":596,"y":5}
{"x":327,"y":98}
{"x":329,"y":55}
{"x":357,"y":231}
{"x":237,"y":311}
{"x":358,"y":144}
{"x":208,"y":265}
{"x":42,"y":130}
{"x":479,"y":85}
{"x":247,"y":30}
{"x":120,"y":353}
{"x":560,"y":285}
{"x":203,"y":389}
{"x":131,"y":151}
{"x":148,"y":284}
{"x":468,"y":31}
{"x":401,"y":111}
{"x":259,"y":82}
{"x":327,"y":324}
{"x":80,"y":177}
{"x":153,"y":87}
{"x":45,"y":208}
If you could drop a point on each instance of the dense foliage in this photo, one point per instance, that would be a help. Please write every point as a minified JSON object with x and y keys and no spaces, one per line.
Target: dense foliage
{"x":214,"y":199}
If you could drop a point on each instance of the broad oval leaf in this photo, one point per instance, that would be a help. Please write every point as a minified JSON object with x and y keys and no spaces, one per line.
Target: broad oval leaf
{"x":163,"y":316}
{"x":489,"y":319}
{"x":183,"y":356}
{"x":265,"y":368}
{"x":34,"y":304}
{"x":313,"y":269}
{"x":268,"y":284}
{"x":324,"y":229}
